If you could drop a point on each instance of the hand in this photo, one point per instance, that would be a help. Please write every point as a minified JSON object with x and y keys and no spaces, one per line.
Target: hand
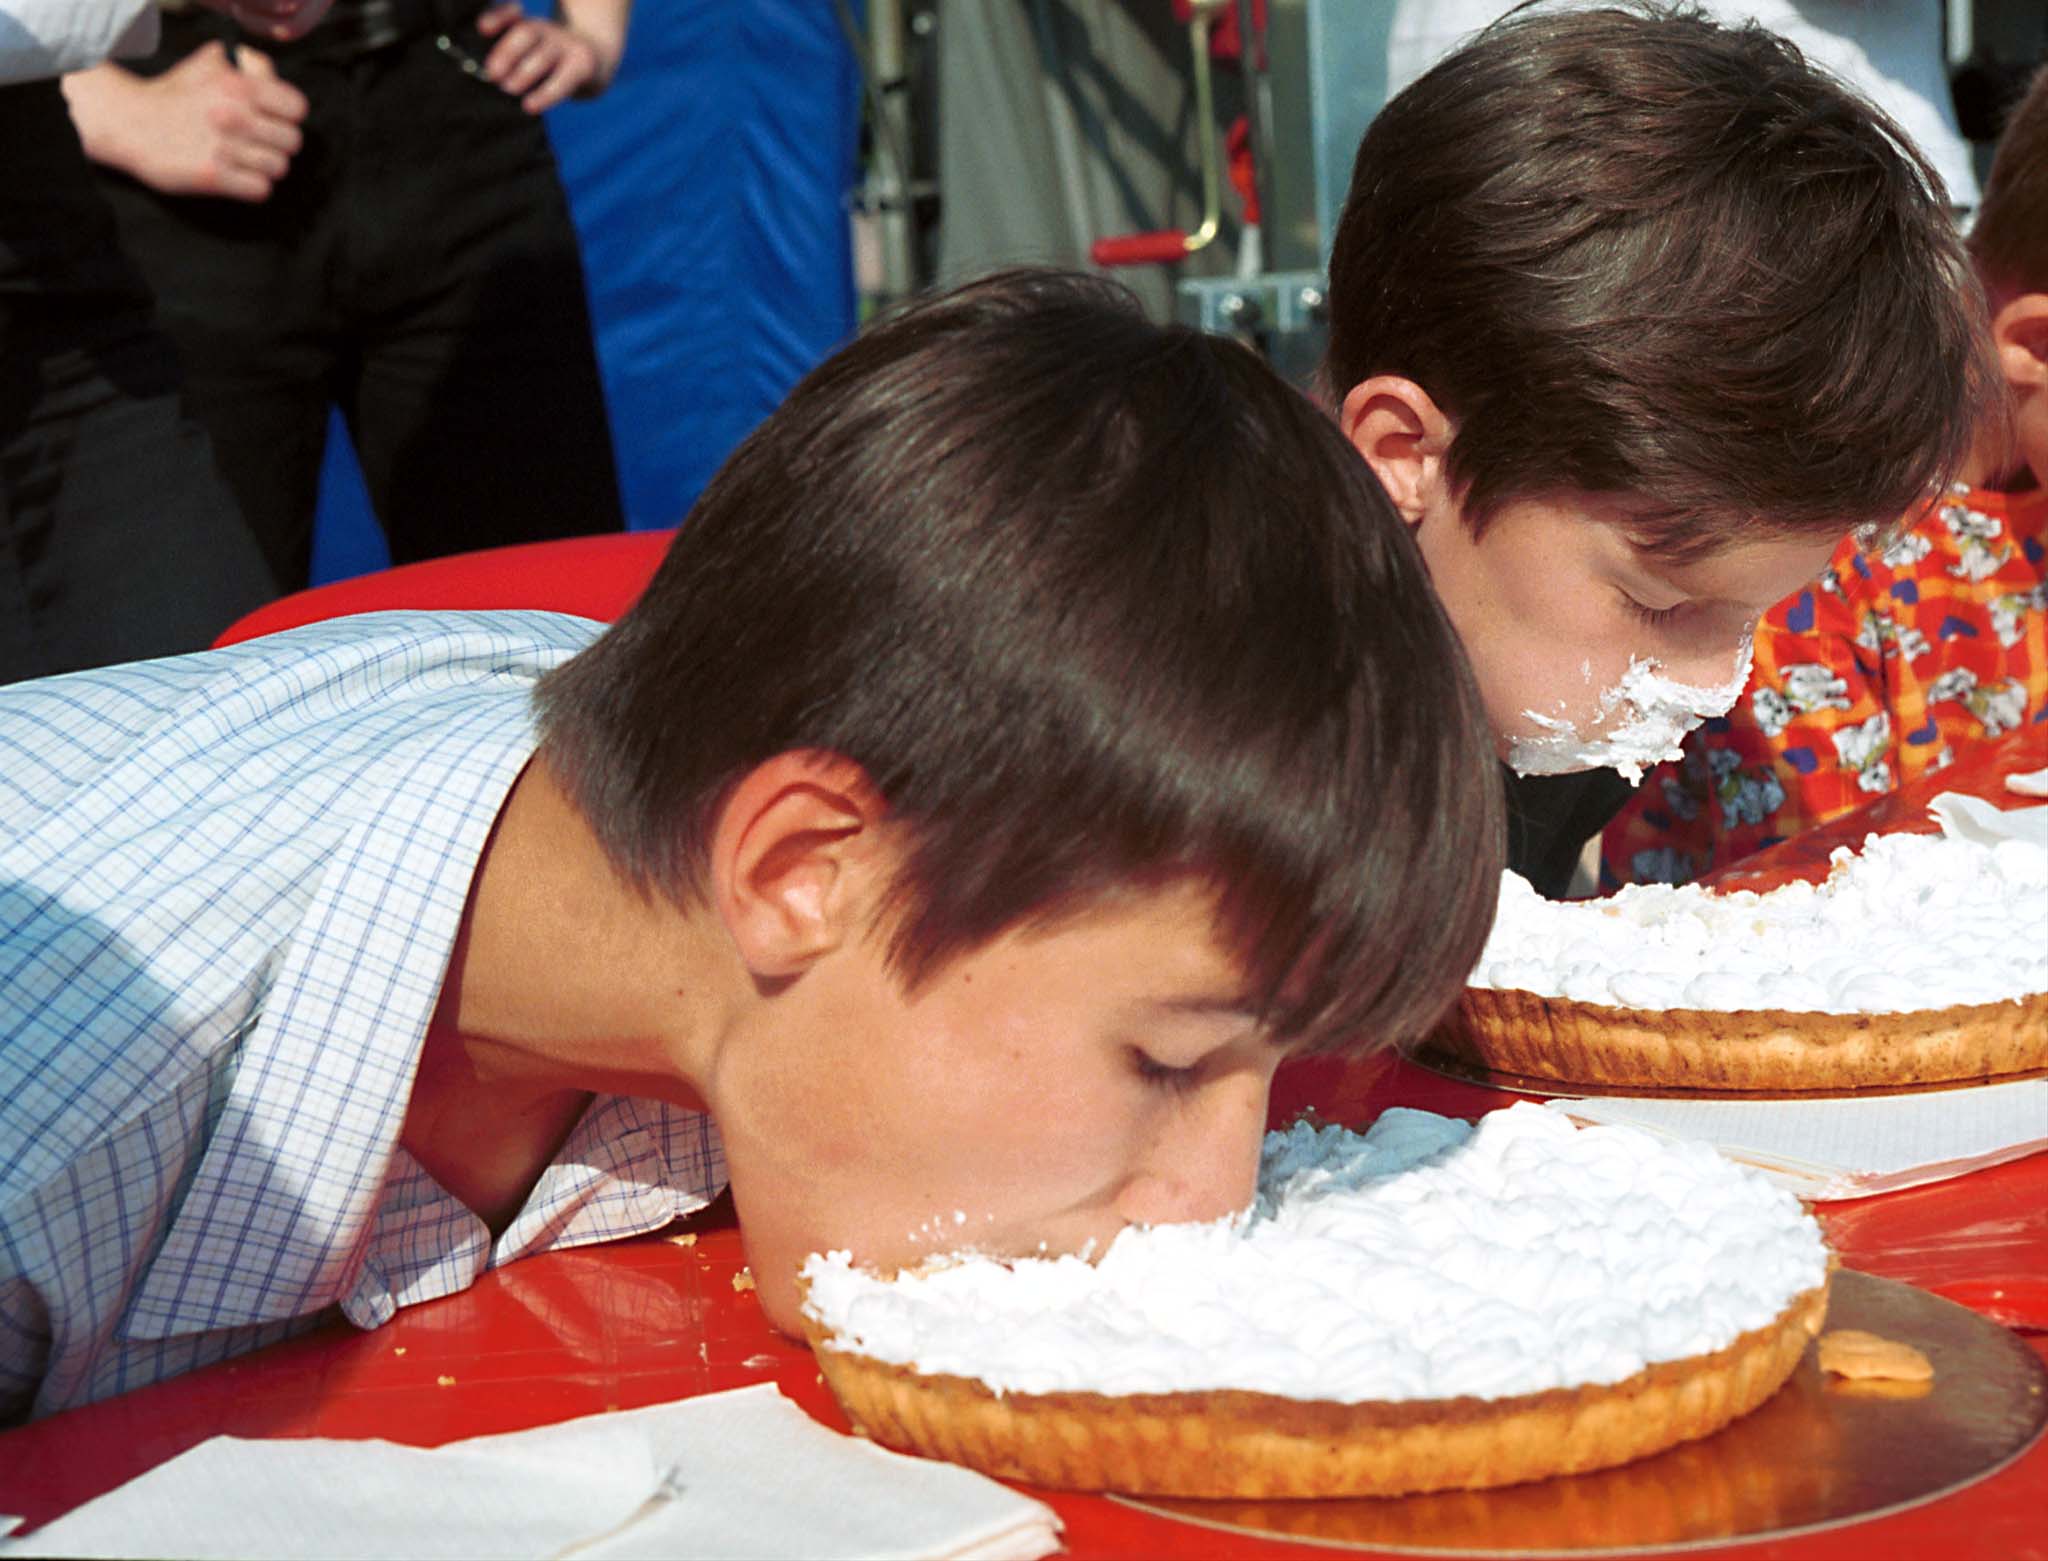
{"x":542,"y":62}
{"x":282,"y":20}
{"x":201,"y":128}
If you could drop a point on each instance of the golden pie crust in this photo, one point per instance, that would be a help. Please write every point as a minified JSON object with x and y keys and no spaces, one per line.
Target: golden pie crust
{"x":1764,"y":1050}
{"x":1227,"y":1443}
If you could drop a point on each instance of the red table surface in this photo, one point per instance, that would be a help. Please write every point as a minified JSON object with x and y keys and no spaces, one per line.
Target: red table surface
{"x":663,"y":1317}
{"x":639,"y":1322}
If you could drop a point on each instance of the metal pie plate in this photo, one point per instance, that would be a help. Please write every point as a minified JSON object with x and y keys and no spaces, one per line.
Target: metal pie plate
{"x":1822,"y":1453}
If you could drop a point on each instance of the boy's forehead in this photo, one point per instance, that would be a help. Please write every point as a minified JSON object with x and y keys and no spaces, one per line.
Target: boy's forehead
{"x":1161,"y":946}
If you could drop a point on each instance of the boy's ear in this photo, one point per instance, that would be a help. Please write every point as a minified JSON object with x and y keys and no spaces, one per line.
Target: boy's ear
{"x":1402,"y":433}
{"x":2020,"y":332}
{"x":797,"y":856}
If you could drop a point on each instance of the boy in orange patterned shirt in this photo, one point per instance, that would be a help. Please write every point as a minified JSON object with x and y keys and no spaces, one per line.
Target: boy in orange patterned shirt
{"x":1894,"y":662}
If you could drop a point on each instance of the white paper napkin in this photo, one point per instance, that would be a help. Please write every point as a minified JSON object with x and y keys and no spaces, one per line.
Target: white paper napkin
{"x":739,"y":1474}
{"x":2034,"y":783}
{"x":1849,"y":1148}
{"x":1965,"y":817}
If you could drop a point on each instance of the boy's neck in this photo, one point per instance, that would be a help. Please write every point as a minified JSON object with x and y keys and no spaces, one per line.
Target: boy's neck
{"x":564,"y":974}
{"x":564,"y":982}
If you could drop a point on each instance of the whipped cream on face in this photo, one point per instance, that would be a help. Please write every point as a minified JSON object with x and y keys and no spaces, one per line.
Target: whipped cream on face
{"x":1910,"y":922}
{"x":1640,"y":723}
{"x":1423,"y":1259}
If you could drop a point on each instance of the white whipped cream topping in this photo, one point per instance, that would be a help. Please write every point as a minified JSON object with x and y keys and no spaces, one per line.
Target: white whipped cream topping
{"x":1640,"y":723}
{"x":1911,"y":922}
{"x":1423,"y":1259}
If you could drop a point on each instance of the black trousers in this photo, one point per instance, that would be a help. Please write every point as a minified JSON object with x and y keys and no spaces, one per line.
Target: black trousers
{"x":416,"y":267}
{"x":118,"y":538}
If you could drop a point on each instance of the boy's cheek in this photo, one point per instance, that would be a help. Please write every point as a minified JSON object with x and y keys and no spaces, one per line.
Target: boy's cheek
{"x":1527,"y":696}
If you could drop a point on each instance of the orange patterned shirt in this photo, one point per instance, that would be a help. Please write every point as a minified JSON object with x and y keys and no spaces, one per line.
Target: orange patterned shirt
{"x":1884,"y":670}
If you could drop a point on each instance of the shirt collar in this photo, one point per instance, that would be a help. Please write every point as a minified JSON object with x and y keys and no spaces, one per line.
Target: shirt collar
{"x":630,"y":1166}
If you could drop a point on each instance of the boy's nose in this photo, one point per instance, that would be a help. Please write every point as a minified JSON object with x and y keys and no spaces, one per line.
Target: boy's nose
{"x":1207,"y":1166}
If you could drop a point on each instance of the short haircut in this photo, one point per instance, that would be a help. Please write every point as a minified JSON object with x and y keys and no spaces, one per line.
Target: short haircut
{"x":1631,"y":251}
{"x":2010,"y":240}
{"x":1095,"y":603}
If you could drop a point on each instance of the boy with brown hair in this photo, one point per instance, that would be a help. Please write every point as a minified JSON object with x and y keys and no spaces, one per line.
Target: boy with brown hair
{"x":1903,"y":658}
{"x":1635,"y":315}
{"x":998,"y":778}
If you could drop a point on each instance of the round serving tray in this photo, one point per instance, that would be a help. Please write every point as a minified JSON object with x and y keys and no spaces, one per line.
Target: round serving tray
{"x":1465,"y":1071}
{"x":1822,"y":1453}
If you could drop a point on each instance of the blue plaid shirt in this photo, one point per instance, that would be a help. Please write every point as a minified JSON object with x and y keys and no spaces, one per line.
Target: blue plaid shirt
{"x":229,"y":887}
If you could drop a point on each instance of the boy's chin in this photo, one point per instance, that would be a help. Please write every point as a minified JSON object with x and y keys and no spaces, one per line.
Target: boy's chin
{"x":780,"y":1305}
{"x":1540,"y":753}
{"x":1529,"y":759}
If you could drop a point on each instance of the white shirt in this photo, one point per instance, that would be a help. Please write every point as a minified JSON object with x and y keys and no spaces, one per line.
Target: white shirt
{"x":41,"y":38}
{"x":229,"y":887}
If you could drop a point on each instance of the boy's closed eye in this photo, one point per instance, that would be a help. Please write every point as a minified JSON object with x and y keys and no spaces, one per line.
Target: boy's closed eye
{"x":1654,"y":617}
{"x":1175,"y":1078}
{"x":1182,"y":1042}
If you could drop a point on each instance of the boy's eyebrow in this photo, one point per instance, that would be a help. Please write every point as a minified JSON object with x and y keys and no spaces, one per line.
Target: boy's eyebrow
{"x":1231,"y":1005}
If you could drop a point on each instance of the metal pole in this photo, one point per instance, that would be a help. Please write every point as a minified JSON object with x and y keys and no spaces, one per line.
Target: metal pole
{"x":891,"y":183}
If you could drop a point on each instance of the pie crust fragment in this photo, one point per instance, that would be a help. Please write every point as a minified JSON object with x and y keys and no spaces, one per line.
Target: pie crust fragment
{"x":1762,"y":1051}
{"x":1230,"y":1443}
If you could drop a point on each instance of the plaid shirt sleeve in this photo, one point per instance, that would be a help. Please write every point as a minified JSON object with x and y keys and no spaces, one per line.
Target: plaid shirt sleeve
{"x":1874,"y":676}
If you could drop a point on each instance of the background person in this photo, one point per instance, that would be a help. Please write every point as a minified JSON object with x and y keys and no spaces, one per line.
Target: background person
{"x":1631,"y":371}
{"x":118,"y":539}
{"x":1905,"y":656}
{"x":369,"y":217}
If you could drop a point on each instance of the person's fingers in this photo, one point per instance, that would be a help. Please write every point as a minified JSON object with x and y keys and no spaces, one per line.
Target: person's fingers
{"x":562,"y":83}
{"x":498,"y":18}
{"x":509,"y":50}
{"x":539,"y":62}
{"x":281,"y":136}
{"x":252,"y":156}
{"x":269,"y":94}
{"x":236,"y":183}
{"x":278,"y":100}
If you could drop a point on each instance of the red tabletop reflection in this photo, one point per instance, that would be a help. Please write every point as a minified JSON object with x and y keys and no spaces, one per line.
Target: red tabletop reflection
{"x":638,"y":1322}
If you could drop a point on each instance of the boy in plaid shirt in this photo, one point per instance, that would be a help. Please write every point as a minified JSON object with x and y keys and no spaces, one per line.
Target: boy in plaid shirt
{"x":1896,"y":661}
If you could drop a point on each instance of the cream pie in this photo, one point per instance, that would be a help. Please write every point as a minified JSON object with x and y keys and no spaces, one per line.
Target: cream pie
{"x":1425,"y":1306}
{"x":1919,"y":960}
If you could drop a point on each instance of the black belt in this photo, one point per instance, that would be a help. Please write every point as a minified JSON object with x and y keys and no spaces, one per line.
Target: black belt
{"x":357,"y":27}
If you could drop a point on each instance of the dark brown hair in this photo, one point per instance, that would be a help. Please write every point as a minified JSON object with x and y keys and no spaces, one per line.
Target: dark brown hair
{"x":1094,"y":603}
{"x":2010,"y":240}
{"x":1631,"y":251}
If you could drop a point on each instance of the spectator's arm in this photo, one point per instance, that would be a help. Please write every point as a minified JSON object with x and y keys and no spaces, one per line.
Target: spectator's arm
{"x":203,"y":127}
